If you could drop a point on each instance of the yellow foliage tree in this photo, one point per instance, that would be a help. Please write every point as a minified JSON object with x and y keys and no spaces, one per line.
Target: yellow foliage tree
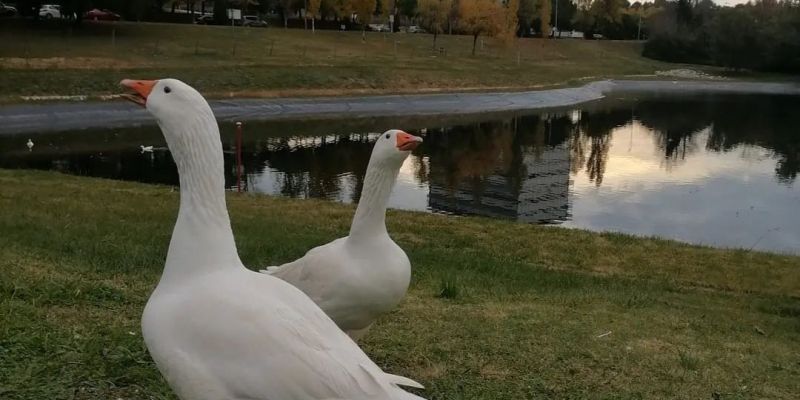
{"x":480,"y":17}
{"x":313,"y":11}
{"x":544,"y":15}
{"x":364,"y":10}
{"x":508,"y":30}
{"x":342,"y":8}
{"x":433,"y":15}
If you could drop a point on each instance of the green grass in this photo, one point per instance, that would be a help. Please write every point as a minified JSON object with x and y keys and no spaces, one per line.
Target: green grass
{"x":496,"y":310}
{"x":223,"y":61}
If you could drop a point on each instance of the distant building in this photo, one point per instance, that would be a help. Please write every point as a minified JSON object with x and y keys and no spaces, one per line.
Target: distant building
{"x":544,"y":194}
{"x":539,"y":194}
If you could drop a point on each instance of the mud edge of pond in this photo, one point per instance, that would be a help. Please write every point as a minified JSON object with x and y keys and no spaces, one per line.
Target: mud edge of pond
{"x":54,"y":117}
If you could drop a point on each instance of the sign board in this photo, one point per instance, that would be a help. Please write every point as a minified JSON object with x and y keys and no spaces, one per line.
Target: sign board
{"x":234,"y":14}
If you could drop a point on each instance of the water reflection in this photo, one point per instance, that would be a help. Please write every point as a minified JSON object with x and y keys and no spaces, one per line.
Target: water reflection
{"x":708,"y":169}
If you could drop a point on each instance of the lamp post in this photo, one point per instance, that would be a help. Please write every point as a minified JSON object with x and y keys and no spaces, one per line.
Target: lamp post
{"x":639,"y":28}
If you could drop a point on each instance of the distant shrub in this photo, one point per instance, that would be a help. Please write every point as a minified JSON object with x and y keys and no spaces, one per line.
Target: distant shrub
{"x":762,"y":36}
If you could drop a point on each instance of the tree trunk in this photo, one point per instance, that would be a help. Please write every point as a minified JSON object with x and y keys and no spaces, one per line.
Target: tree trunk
{"x":312,"y":25}
{"x":435,"y":34}
{"x":285,"y":21}
{"x":474,"y":42}
{"x":220,"y":12}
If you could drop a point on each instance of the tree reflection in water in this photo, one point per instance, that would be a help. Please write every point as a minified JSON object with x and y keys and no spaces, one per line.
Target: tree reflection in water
{"x":518,"y":166}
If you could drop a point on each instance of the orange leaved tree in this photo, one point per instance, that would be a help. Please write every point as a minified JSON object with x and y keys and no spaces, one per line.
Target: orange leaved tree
{"x":480,"y":17}
{"x":433,"y":15}
{"x":364,"y":9}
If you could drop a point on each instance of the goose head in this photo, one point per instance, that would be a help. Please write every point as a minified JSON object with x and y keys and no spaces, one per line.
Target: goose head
{"x":393,"y":146}
{"x":173,"y":103}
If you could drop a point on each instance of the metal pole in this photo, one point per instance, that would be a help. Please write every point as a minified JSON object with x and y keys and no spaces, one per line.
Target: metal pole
{"x":556,"y":23}
{"x":239,"y":157}
{"x":639,"y":29}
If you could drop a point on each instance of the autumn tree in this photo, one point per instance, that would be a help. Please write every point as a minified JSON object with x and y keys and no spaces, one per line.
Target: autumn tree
{"x":384,"y":8}
{"x":343,"y":9}
{"x":544,"y":9}
{"x":433,"y":15}
{"x":480,"y":17}
{"x":510,"y":20}
{"x":313,"y":11}
{"x":364,"y":9}
{"x":606,"y":13}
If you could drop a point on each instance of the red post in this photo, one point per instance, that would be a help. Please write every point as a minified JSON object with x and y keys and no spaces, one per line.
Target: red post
{"x":239,"y":157}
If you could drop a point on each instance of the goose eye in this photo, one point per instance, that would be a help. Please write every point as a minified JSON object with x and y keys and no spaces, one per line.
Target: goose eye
{"x":387,"y":135}
{"x":167,"y":89}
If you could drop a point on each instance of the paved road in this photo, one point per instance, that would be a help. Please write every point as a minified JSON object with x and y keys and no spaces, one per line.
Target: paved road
{"x":25,"y":118}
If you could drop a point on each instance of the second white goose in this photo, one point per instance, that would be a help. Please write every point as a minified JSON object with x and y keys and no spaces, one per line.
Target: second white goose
{"x":357,"y":278}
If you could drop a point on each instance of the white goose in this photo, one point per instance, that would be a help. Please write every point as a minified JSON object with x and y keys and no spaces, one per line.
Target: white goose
{"x":357,"y":278}
{"x":217,"y":330}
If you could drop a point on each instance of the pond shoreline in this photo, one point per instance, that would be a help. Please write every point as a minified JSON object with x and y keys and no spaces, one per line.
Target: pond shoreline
{"x":54,"y":117}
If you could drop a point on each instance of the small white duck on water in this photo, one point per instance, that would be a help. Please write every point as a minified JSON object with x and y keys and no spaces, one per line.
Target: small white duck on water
{"x":357,"y":278}
{"x":30,"y":145}
{"x":146,"y":149}
{"x":217,"y":330}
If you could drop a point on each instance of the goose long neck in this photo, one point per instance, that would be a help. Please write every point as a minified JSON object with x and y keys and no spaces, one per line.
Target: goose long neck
{"x":202,"y":240}
{"x":370,"y":217}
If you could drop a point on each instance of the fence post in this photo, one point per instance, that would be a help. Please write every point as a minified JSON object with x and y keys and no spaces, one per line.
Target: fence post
{"x":238,"y":156}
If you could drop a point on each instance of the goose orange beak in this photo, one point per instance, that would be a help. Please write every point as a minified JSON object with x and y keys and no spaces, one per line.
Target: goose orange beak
{"x":407,"y":142}
{"x":140,"y":90}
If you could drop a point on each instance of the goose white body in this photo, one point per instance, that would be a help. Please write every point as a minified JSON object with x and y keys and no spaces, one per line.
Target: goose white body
{"x":357,"y":278}
{"x":218,"y":331}
{"x":213,"y":338}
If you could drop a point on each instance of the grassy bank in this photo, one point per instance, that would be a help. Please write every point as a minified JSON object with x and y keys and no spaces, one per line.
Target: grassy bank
{"x":496,"y":310}
{"x":221,"y":61}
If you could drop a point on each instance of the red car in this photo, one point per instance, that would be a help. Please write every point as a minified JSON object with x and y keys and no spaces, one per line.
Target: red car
{"x":101,"y":15}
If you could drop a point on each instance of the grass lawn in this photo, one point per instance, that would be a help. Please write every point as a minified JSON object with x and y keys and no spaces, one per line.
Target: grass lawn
{"x":223,"y":61}
{"x":496,"y":310}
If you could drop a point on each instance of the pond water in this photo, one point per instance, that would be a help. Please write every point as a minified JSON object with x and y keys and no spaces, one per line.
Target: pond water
{"x":715,"y":170}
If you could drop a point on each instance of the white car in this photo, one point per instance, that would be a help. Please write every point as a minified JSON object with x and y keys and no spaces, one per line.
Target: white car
{"x":378,"y":27}
{"x":50,"y":11}
{"x":252,"y":20}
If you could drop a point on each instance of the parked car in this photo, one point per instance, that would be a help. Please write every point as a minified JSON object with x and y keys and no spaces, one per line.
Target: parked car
{"x":415,"y":29}
{"x":378,"y":27}
{"x":7,"y":11}
{"x":101,"y":15}
{"x":204,"y":20}
{"x":254,"y":21}
{"x":50,"y":11}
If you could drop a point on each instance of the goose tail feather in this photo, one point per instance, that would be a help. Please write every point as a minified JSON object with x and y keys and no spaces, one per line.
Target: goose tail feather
{"x":403,"y":381}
